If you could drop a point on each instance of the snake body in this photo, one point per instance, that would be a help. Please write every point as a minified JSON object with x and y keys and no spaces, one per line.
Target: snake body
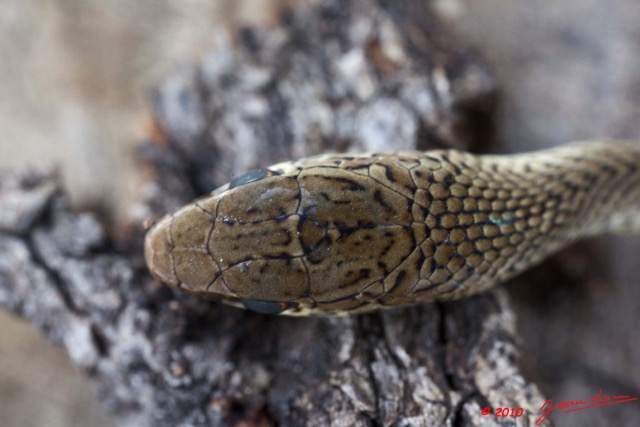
{"x":343,"y":234}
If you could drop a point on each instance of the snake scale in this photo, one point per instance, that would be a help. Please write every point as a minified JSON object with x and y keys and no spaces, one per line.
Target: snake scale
{"x":346,"y":233}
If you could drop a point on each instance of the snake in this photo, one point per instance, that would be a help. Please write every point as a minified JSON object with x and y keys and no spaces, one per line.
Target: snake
{"x":340,"y":234}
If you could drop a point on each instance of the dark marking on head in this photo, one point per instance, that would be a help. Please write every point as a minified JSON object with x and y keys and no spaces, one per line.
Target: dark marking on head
{"x":352,"y":185}
{"x":383,"y":267}
{"x":320,"y":251}
{"x":282,"y":215}
{"x":399,"y":279}
{"x":377,"y":195}
{"x":389,"y":173}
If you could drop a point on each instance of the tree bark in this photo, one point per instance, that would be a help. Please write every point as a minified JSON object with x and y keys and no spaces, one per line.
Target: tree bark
{"x":362,"y":75}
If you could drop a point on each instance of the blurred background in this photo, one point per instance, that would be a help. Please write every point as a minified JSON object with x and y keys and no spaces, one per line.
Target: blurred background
{"x":74,"y":79}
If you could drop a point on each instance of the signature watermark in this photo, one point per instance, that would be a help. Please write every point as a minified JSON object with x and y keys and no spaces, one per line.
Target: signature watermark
{"x":580,"y":405}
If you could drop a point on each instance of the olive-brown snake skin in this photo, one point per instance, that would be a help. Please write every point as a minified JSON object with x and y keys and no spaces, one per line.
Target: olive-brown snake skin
{"x":342,"y":234}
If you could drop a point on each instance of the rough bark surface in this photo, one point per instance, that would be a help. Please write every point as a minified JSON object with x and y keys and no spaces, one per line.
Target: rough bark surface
{"x":362,"y":75}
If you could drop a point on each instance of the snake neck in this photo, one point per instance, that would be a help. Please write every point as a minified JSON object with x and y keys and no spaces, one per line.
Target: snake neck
{"x":590,"y":188}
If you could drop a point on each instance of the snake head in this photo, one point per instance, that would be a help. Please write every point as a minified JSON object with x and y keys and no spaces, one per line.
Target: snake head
{"x":285,"y":242}
{"x":238,"y":245}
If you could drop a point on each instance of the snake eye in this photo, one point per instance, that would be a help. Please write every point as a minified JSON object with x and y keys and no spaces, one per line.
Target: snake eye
{"x":251,"y":176}
{"x":267,"y":307}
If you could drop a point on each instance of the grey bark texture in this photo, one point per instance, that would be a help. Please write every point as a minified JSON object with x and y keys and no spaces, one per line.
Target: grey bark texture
{"x":362,"y":75}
